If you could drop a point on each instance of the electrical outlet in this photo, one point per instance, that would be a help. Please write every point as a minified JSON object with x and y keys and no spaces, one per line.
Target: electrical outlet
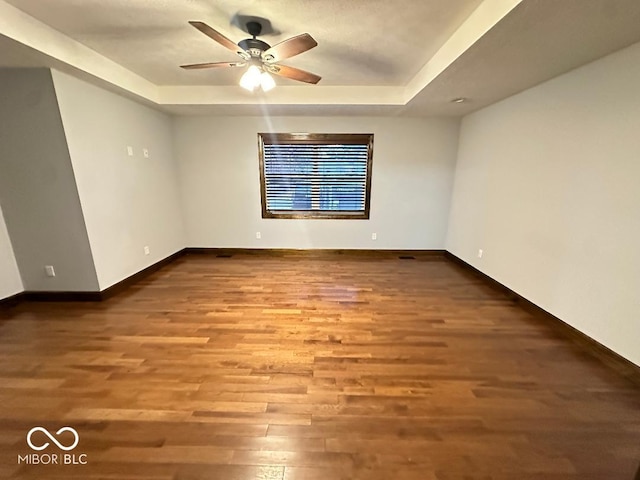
{"x":374,"y":236}
{"x":130,"y":151}
{"x":145,"y":152}
{"x":146,"y":250}
{"x":480,"y":253}
{"x":258,"y":235}
{"x":49,"y":271}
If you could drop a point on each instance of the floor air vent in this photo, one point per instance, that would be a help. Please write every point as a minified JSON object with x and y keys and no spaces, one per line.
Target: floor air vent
{"x":224,"y":255}
{"x":407,"y":257}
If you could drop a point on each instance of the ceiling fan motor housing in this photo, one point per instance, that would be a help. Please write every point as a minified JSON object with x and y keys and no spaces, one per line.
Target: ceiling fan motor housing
{"x":254,"y":46}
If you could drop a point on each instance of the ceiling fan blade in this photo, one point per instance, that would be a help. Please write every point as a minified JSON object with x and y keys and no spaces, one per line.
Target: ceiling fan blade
{"x":294,"y":73}
{"x":197,"y":66}
{"x":218,"y":37}
{"x":289,"y":48}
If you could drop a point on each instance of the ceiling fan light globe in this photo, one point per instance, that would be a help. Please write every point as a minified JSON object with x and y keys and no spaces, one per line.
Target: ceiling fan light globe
{"x":251,"y":78}
{"x":267,"y":82}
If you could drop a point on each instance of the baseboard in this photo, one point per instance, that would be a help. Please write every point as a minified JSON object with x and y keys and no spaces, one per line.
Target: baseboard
{"x":11,"y":301}
{"x":136,"y":277}
{"x":50,"y":296}
{"x":280,"y":252}
{"x":92,"y":296}
{"x":607,"y":356}
{"x":62,"y":296}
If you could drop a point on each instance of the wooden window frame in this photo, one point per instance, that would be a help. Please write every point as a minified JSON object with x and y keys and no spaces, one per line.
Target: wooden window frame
{"x":316,"y":139}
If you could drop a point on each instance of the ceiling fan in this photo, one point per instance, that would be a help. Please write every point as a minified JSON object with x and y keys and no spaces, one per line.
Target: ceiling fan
{"x":261,"y":57}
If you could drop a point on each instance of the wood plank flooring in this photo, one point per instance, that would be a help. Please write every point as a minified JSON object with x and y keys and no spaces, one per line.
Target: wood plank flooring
{"x":309,"y":366}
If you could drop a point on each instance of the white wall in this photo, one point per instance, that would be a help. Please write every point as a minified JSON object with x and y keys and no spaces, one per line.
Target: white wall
{"x":128,"y":202}
{"x":548,"y":184}
{"x":412,"y":176}
{"x":37,"y":187}
{"x":10,"y":281}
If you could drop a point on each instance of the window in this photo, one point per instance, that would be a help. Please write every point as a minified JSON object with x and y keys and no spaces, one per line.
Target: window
{"x":306,"y":175}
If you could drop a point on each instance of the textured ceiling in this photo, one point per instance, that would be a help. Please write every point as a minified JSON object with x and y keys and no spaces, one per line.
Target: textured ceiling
{"x":376,"y":57}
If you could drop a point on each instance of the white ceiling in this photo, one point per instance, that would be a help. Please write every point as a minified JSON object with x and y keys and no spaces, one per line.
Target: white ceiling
{"x":401,"y":57}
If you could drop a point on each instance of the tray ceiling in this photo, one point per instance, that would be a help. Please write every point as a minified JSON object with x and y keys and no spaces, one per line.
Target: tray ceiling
{"x":407,"y":57}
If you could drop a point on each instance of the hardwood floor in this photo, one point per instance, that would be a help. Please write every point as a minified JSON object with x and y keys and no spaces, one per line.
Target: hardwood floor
{"x":308,"y":366}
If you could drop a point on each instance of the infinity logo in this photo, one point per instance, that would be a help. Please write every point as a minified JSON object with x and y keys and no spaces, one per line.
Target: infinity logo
{"x":60,"y":446}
